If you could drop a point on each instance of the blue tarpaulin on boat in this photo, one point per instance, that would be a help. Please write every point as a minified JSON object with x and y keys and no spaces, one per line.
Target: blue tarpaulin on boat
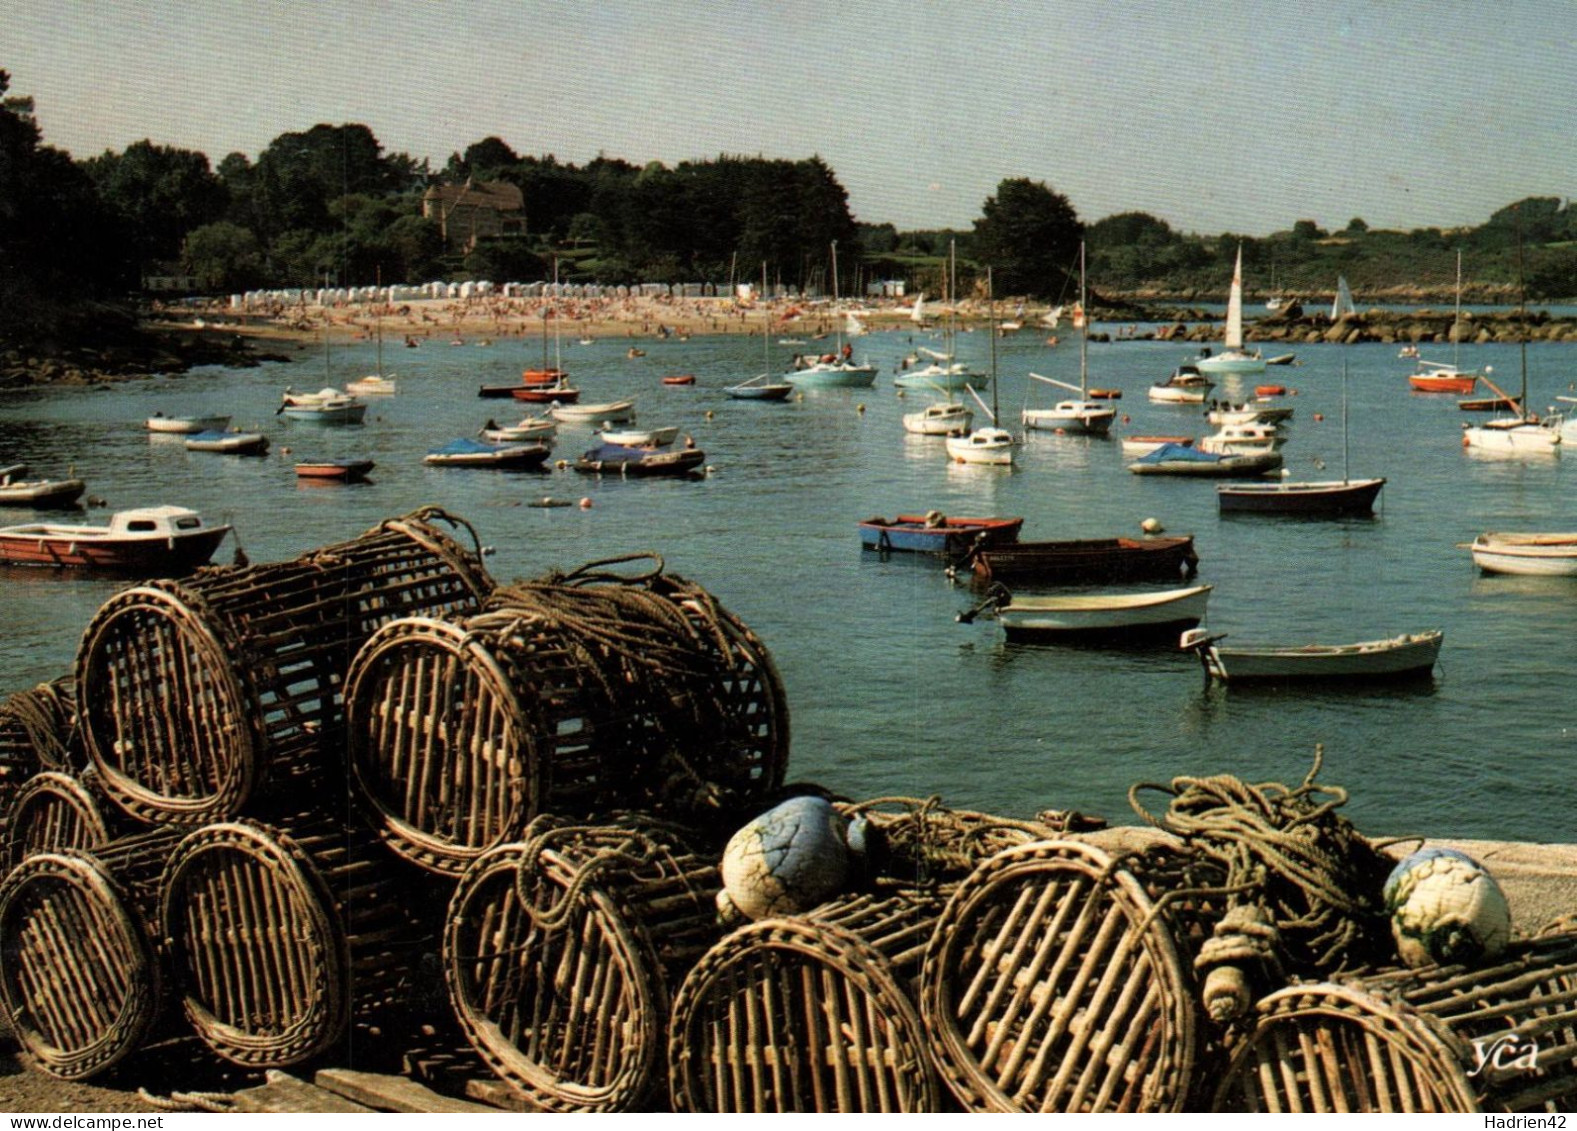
{"x":1169,"y":453}
{"x":464,"y":446}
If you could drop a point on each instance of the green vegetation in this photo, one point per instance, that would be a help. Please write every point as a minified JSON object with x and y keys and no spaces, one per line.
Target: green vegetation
{"x":330,"y":206}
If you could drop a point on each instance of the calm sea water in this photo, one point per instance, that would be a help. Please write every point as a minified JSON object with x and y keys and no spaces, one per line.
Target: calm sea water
{"x":888,"y":694}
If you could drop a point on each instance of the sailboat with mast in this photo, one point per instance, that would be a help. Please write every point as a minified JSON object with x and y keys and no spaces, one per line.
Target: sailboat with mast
{"x":1438,"y":376}
{"x":1521,"y":432}
{"x":1233,"y":358}
{"x":762,"y":387}
{"x":990,"y":444}
{"x":836,"y":370}
{"x":1344,"y":496}
{"x":1083,"y":416}
{"x":945,"y":371}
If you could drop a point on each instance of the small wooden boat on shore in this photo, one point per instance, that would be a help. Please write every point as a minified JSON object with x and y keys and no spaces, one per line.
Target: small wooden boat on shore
{"x":185,"y":425}
{"x":613,"y":459}
{"x":936,"y":533}
{"x":1174,"y":459}
{"x":1112,"y":618}
{"x":16,"y":491}
{"x":1083,"y":561}
{"x":1368,"y":661}
{"x":334,"y":470}
{"x":1526,"y":555}
{"x":229,"y":443}
{"x":466,"y":452}
{"x":149,"y":541}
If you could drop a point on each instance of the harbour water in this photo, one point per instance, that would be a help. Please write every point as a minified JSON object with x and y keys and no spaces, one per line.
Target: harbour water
{"x":888,"y":695}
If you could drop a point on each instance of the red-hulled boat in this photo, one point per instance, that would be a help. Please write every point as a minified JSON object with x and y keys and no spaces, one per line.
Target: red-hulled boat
{"x":546,"y":394}
{"x":550,"y":376}
{"x":679,"y":379}
{"x":150,"y":541}
{"x":338,"y":470}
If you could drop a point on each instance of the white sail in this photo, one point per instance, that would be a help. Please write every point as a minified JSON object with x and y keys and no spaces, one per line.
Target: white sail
{"x":1234,"y":337}
{"x":1343,"y":305}
{"x":918,"y":313}
{"x":852,"y":326}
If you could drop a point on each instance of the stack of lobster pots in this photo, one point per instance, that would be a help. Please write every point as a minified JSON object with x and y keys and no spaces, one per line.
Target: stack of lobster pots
{"x":335,"y":810}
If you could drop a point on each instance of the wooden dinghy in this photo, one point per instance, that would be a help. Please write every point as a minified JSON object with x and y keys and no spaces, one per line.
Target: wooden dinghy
{"x":1397,"y":657}
{"x":1084,"y":561}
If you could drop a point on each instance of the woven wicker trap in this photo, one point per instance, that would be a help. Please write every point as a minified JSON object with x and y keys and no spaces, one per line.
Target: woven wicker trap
{"x":197,"y":695}
{"x":80,"y":984}
{"x":1050,"y":986}
{"x":560,"y":954}
{"x":809,"y":1013}
{"x":1444,"y":1039}
{"x":53,"y":810}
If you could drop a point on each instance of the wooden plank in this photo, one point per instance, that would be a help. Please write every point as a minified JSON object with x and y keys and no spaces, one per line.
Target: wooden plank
{"x":284,"y":1093}
{"x":393,"y":1093}
{"x":500,"y":1095}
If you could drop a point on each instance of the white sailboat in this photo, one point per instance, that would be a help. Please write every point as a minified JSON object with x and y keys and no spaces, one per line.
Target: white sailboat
{"x":1520,"y":433}
{"x":945,"y":370}
{"x":835,"y":370}
{"x":991,"y":444}
{"x":1082,"y":416}
{"x":762,"y":387}
{"x":1233,"y":358}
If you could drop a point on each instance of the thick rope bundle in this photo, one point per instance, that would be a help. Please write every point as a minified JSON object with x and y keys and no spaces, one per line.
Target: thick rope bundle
{"x":921,"y":841}
{"x":1313,"y":878}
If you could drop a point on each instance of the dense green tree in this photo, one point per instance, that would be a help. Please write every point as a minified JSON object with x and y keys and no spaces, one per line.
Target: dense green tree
{"x":482,"y":160}
{"x":53,"y":230}
{"x":1029,"y":235}
{"x":300,"y":173}
{"x":224,"y":257}
{"x":158,"y":194}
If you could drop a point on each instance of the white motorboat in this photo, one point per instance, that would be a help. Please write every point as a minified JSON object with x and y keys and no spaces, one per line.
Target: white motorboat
{"x":16,"y":491}
{"x":605,"y":412}
{"x":941,"y":419}
{"x":185,"y":425}
{"x":1397,"y":657}
{"x":1243,"y":439}
{"x":983,"y":445}
{"x":640,"y":437}
{"x":1186,"y":385}
{"x":326,"y":406}
{"x":1124,"y":617}
{"x":373,"y":385}
{"x":229,"y":443}
{"x":1258,"y":411}
{"x":529,"y":428}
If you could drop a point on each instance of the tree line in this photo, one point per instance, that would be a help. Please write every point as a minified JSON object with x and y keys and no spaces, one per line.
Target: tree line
{"x":329,"y":205}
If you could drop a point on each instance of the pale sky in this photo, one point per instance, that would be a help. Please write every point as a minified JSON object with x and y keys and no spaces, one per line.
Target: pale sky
{"x":1237,"y":115}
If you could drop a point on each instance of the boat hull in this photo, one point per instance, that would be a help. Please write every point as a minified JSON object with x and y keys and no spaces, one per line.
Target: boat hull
{"x":853,"y":377}
{"x":1120,"y":618}
{"x":607,"y":412}
{"x":1399,"y":657}
{"x":952,"y":379}
{"x":546,"y":394}
{"x":325,"y":414}
{"x":1086,"y":561}
{"x":1525,"y":437}
{"x":344,"y":471}
{"x":1221,"y":467}
{"x":1527,"y":555}
{"x":1089,"y":420}
{"x":514,"y":457}
{"x":42,"y":493}
{"x":1179,"y":394}
{"x":1421,"y":383}
{"x":911,"y":533}
{"x":654,"y":464}
{"x":187,"y":425}
{"x":1229,"y":363}
{"x":760,"y":392}
{"x":159,"y":556}
{"x":1352,"y":497}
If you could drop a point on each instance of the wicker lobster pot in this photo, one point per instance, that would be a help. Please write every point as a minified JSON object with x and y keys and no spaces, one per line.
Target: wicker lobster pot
{"x":37,"y":732}
{"x":1443,"y":1039}
{"x":560,"y":955}
{"x":809,"y":1013}
{"x":80,"y":984}
{"x":54,"y":810}
{"x":1052,"y":983}
{"x":277,"y":940}
{"x":199,"y":695}
{"x":718,"y":711}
